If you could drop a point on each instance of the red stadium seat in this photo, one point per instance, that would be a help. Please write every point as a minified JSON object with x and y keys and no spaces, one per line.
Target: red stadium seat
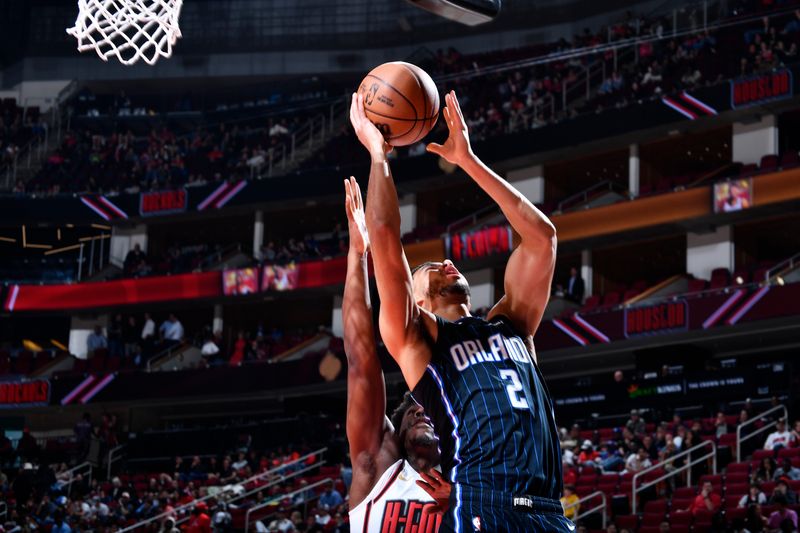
{"x":769,"y":163}
{"x":652,"y":519}
{"x":591,"y":303}
{"x":788,"y":452}
{"x":627,"y":522}
{"x":758,"y":455}
{"x":696,"y":285}
{"x":790,"y":159}
{"x":681,"y":517}
{"x":611,"y":299}
{"x":656,"y":507}
{"x":684,"y":492}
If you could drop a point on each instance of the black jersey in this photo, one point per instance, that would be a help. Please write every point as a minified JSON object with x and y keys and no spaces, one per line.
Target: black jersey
{"x":492,"y":411}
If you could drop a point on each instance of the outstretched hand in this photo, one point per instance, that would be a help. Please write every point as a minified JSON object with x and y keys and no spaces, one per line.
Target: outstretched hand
{"x":435,"y":485}
{"x":356,"y":222}
{"x":456,"y":148}
{"x":369,"y":135}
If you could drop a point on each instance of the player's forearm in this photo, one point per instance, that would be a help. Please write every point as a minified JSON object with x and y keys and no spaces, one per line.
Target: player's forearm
{"x":383,"y":208}
{"x":524,"y":217}
{"x":359,"y":333}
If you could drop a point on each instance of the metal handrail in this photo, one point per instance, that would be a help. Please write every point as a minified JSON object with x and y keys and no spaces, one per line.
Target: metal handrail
{"x":217,"y":256}
{"x":602,"y":507}
{"x":164,"y":354}
{"x":583,"y":195}
{"x":3,"y":510}
{"x":113,"y":456}
{"x":757,"y":418}
{"x":74,"y":472}
{"x":259,"y":488}
{"x":278,"y":500}
{"x":687,"y":467}
{"x":257,"y":477}
{"x":470,"y":219}
{"x":785,"y":265}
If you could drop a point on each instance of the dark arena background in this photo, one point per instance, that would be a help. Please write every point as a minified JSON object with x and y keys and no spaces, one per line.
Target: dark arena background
{"x":173,"y":249}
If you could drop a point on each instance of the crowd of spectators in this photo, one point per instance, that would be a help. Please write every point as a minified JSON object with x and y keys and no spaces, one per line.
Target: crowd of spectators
{"x":497,"y":103}
{"x":196,"y":494}
{"x":638,"y":445}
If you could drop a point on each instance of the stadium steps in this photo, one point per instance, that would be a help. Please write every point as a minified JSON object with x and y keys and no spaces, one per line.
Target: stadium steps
{"x":32,"y":157}
{"x":310,"y":138}
{"x":187,"y":356}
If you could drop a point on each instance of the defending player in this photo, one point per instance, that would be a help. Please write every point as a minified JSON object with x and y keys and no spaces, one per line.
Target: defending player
{"x":477,"y":379}
{"x":395,"y":487}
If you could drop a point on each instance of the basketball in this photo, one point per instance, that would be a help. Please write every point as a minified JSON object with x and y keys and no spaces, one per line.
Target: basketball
{"x":401,"y":100}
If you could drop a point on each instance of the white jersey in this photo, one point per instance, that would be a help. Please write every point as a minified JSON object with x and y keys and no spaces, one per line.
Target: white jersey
{"x":396,"y":504}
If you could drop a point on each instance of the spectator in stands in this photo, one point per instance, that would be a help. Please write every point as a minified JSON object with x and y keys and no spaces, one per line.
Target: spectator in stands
{"x":169,"y":526}
{"x":133,"y":259}
{"x":280,"y":524}
{"x":765,"y":471}
{"x":6,"y":449}
{"x":574,"y":287}
{"x":707,"y":500}
{"x":753,"y":496}
{"x":83,"y":431}
{"x":650,"y":446}
{"x":663,"y":527}
{"x":569,"y":502}
{"x":783,"y":490}
{"x":754,"y":520}
{"x":96,"y":341}
{"x":330,"y":499}
{"x":171,"y":330}
{"x":27,"y":447}
{"x":720,"y":425}
{"x":199,"y":522}
{"x":636,"y":462}
{"x":209,"y":349}
{"x":588,"y":455}
{"x":782,"y":519}
{"x":148,"y":334}
{"x":115,"y":348}
{"x":787,"y":470}
{"x":130,"y":337}
{"x":779,"y":438}
{"x":635,"y":423}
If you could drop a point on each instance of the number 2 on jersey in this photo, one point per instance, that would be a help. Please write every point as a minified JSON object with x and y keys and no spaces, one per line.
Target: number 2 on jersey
{"x":515,"y":393}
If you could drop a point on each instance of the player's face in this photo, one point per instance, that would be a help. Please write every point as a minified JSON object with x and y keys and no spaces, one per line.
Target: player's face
{"x":435,"y":280}
{"x":417,"y":428}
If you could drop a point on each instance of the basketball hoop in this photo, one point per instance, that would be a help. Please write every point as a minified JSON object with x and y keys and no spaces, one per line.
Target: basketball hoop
{"x":128,"y":29}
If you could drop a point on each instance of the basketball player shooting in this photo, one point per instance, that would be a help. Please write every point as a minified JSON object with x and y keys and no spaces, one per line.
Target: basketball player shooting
{"x":477,"y":379}
{"x":395,"y":487}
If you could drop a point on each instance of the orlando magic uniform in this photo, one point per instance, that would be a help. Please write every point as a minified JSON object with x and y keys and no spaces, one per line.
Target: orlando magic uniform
{"x":396,"y":504}
{"x":493,"y":413}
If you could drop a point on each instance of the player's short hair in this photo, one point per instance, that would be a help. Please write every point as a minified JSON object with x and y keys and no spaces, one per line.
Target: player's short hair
{"x":399,"y":412}
{"x":421,"y":266}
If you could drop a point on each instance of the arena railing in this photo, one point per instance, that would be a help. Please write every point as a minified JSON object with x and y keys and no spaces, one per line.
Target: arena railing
{"x":84,"y":470}
{"x":602,"y":506}
{"x":184,"y":509}
{"x":3,"y":510}
{"x":275,"y":501}
{"x":758,"y":418}
{"x":114,"y":455}
{"x":783,"y":267}
{"x":686,"y":467}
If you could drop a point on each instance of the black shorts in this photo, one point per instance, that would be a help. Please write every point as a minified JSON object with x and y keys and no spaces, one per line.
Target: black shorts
{"x":492,"y":512}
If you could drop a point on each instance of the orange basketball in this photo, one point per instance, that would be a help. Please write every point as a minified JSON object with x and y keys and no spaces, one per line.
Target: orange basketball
{"x":401,"y":100}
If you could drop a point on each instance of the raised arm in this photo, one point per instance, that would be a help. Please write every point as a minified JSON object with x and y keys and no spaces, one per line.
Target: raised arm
{"x":367,"y":424}
{"x":400,"y":318}
{"x":529,"y":272}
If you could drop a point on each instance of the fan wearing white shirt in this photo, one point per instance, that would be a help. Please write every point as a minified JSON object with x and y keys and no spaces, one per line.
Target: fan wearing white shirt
{"x":779,"y":438}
